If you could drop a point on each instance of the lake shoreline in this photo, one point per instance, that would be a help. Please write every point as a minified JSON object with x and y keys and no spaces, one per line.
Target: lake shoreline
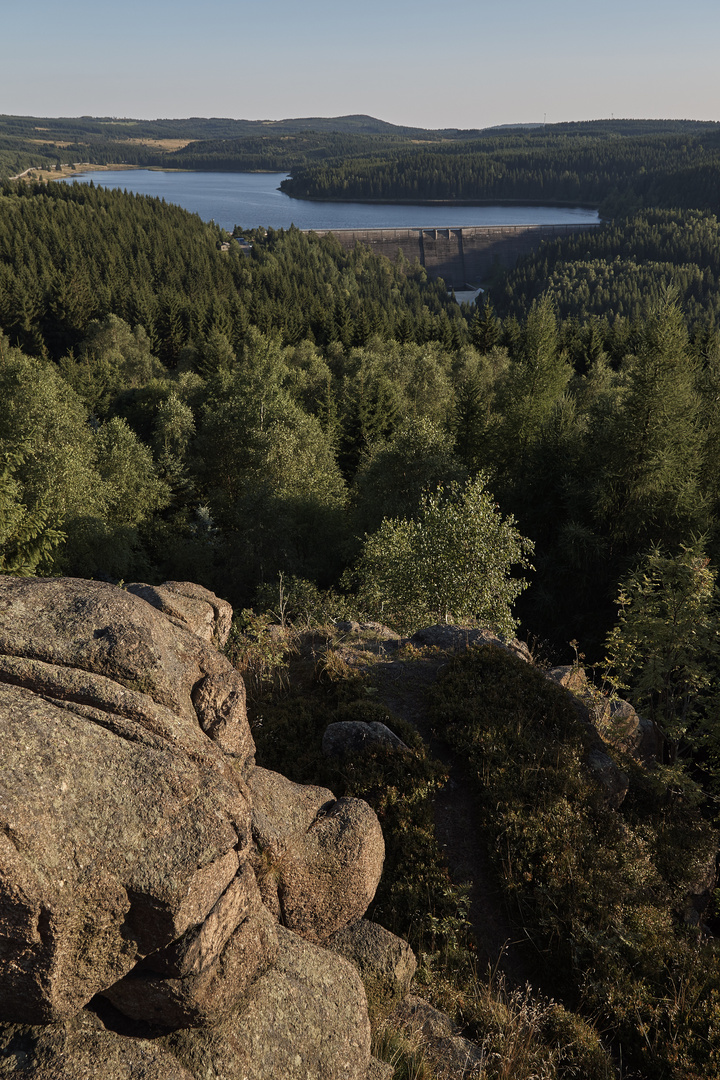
{"x":446,"y":202}
{"x":80,"y":168}
{"x":255,"y":200}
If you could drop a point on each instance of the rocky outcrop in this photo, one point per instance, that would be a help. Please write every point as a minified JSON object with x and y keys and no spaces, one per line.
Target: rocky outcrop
{"x":357,"y":737}
{"x":81,"y":1048}
{"x":614,"y":720}
{"x":612,"y":725}
{"x":306,"y":1019}
{"x":318,"y":860}
{"x":376,"y":629}
{"x":189,"y":605}
{"x":455,"y":1057}
{"x":147,"y":863}
{"x":621,"y":727}
{"x":122,"y":822}
{"x":569,"y":676}
{"x":455,"y":638}
{"x":207,"y":972}
{"x":385,"y":962}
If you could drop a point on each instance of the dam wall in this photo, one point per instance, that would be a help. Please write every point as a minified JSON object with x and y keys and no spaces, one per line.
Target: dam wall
{"x":462,"y":256}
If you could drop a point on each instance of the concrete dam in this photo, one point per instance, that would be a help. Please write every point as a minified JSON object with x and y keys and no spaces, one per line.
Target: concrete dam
{"x":462,"y":256}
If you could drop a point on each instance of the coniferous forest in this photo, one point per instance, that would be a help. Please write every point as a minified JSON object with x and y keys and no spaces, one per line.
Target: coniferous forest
{"x":585,"y":388}
{"x":174,"y":405}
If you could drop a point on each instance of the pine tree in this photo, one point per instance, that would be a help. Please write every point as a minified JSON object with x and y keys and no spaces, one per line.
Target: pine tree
{"x":665,"y":645}
{"x":649,"y":451}
{"x":485,"y":327}
{"x":536,"y":381}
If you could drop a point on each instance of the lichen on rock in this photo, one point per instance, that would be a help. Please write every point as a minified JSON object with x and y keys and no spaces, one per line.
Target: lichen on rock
{"x":135,"y":838}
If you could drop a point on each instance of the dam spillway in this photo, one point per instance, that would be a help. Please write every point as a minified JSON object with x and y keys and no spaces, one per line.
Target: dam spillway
{"x":466,"y":255}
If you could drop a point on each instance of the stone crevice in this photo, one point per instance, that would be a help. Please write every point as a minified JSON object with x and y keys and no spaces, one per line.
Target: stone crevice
{"x":134,"y":833}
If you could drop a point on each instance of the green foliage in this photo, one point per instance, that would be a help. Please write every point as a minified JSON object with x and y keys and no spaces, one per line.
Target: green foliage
{"x":452,"y":562}
{"x":535,"y":383}
{"x":298,"y":601}
{"x":610,"y":277}
{"x":173,"y":429}
{"x":259,"y":651}
{"x":595,"y":890}
{"x":649,"y":487}
{"x":269,"y":472}
{"x":393,"y":475}
{"x":620,"y":165}
{"x":134,"y":491}
{"x":524,"y":1035}
{"x":665,"y":645}
{"x":264,"y":384}
{"x":44,"y":433}
{"x":415,"y":898}
{"x":27,"y":538}
{"x":112,"y":358}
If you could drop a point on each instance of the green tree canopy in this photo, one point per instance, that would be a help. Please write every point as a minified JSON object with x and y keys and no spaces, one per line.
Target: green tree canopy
{"x":44,"y":431}
{"x":648,"y":451}
{"x":667,"y":636}
{"x":27,"y":538}
{"x":452,"y":562}
{"x":393,"y":474}
{"x":112,"y":358}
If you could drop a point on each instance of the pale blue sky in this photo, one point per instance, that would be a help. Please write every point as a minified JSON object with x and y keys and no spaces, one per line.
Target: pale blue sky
{"x":469,"y":64}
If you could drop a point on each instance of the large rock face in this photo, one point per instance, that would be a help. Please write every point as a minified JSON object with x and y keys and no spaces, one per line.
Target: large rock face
{"x":306,"y":1019}
{"x":134,"y":865}
{"x":189,"y":605}
{"x":386,"y":963}
{"x":122,"y":822}
{"x":319,"y":860}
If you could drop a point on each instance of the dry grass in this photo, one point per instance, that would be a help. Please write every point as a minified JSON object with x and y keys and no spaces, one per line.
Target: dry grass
{"x":405,"y":1051}
{"x":161,"y":144}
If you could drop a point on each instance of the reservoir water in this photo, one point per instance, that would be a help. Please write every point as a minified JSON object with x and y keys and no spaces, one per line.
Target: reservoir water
{"x":251,"y":200}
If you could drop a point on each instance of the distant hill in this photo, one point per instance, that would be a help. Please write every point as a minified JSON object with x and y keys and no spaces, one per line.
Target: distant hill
{"x":362,"y":148}
{"x":49,"y":129}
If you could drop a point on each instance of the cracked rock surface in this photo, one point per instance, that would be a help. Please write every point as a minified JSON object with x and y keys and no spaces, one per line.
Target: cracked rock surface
{"x":149,"y":872}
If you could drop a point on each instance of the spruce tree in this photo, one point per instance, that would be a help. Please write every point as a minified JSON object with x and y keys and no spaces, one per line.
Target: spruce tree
{"x":649,"y":490}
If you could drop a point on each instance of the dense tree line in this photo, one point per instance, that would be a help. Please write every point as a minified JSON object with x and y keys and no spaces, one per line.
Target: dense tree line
{"x":72,"y":254}
{"x":264,"y":153}
{"x":148,"y":321}
{"x":603,"y":280}
{"x":216,"y":143}
{"x":621,"y":166}
{"x":613,"y":171}
{"x":304,"y":391}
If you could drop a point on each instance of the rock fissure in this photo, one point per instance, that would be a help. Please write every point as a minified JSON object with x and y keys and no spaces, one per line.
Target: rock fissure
{"x":108,"y":721}
{"x":52,"y":679}
{"x":138,"y":845}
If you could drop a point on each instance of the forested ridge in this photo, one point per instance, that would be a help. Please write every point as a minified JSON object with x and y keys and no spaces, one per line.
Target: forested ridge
{"x":134,"y":305}
{"x":224,"y":144}
{"x":608,"y":277}
{"x":331,"y":429}
{"x":576,"y":164}
{"x":621,"y":166}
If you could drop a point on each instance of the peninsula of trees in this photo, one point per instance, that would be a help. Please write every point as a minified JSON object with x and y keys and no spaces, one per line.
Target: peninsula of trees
{"x":619,"y":165}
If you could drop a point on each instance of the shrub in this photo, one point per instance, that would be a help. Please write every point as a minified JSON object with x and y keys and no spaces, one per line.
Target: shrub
{"x":452,"y":562}
{"x":597,"y":891}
